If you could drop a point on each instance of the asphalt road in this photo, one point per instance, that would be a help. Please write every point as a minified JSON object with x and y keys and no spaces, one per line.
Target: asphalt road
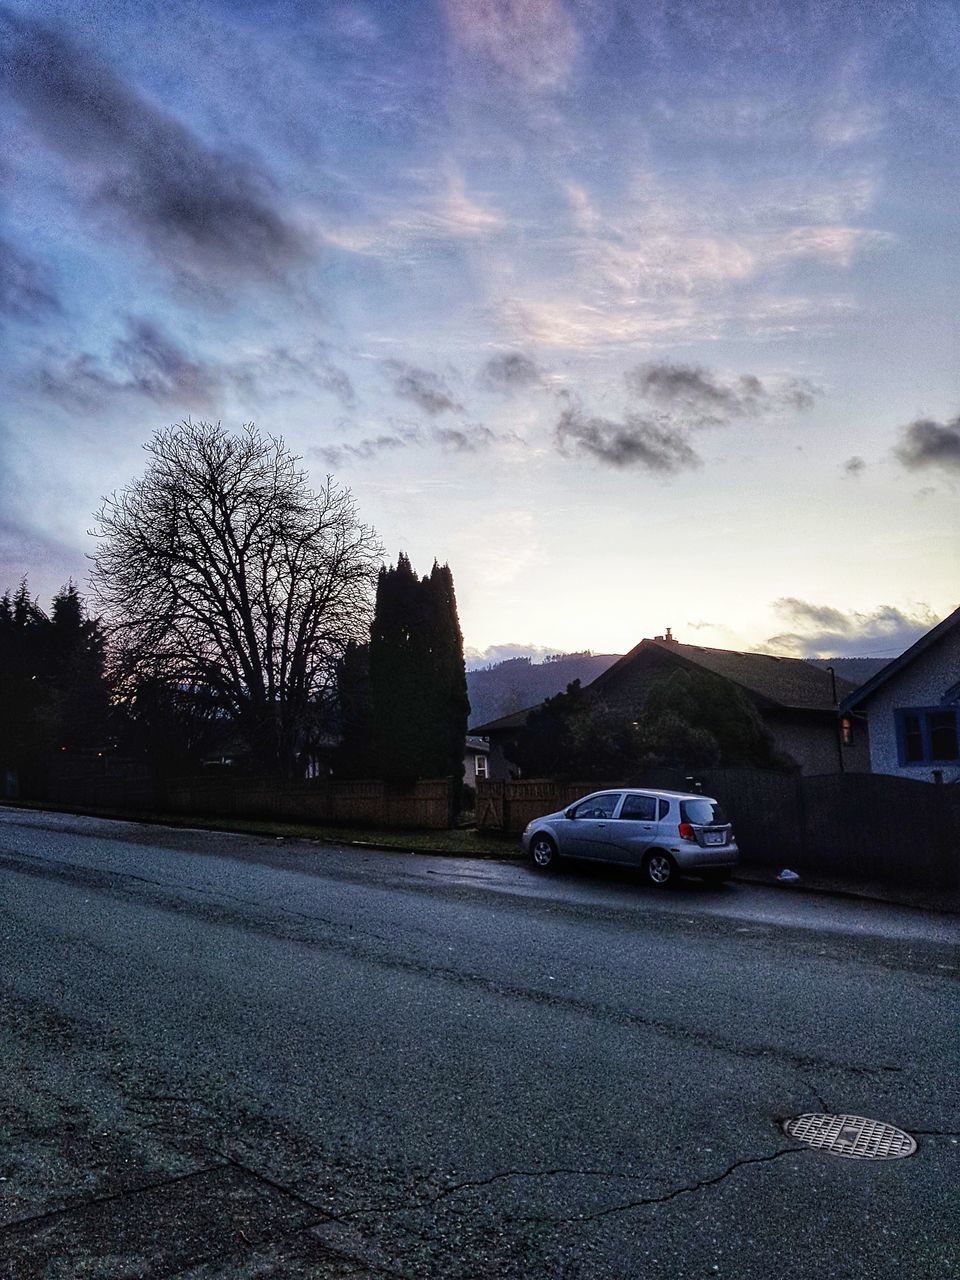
{"x":234,"y":1057}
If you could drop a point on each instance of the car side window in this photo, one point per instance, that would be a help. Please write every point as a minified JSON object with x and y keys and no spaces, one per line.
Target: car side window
{"x":597,"y":807}
{"x":640,"y":808}
{"x":664,"y":808}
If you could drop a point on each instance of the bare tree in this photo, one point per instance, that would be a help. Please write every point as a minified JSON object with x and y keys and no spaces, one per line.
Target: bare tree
{"x":222,"y":571}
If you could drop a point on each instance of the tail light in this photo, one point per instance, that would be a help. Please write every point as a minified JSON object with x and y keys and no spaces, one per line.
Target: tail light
{"x":686,"y":832}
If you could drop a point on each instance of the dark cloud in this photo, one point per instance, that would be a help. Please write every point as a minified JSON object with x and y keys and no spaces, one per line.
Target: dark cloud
{"x":372,"y":447}
{"x":203,"y":212}
{"x":706,"y":400}
{"x":854,"y":466}
{"x":145,"y":361}
{"x":509,"y":370}
{"x":823,"y":631}
{"x":925,"y":443}
{"x":636,"y":442}
{"x":26,"y":290}
{"x":472,"y":440}
{"x":427,"y":390}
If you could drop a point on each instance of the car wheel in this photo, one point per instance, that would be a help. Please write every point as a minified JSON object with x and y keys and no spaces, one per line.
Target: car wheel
{"x":543,"y":853}
{"x":660,"y":869}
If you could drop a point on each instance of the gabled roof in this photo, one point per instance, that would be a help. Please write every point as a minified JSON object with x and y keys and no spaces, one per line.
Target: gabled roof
{"x":859,"y":696}
{"x":516,"y":720}
{"x":775,"y":682}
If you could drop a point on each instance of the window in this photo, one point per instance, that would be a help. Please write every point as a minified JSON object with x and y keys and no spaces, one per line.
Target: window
{"x":480,"y":764}
{"x":927,"y":735}
{"x":702,"y":813}
{"x":640,"y":808}
{"x":601,"y":806}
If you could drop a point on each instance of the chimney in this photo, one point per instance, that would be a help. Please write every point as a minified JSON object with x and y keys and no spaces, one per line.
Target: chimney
{"x":668,"y":637}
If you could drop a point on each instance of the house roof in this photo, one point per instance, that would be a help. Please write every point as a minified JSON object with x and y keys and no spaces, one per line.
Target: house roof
{"x":866,"y":690}
{"x":516,"y":720}
{"x":776,"y":682}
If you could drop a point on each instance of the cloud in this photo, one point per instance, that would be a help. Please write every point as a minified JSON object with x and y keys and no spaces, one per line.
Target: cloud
{"x":270,"y":369}
{"x":427,"y":390}
{"x":145,"y":361}
{"x":532,"y":43}
{"x":509,"y":370}
{"x":450,"y":439}
{"x":494,"y":653}
{"x":26,"y":290}
{"x":926,"y":443}
{"x":637,"y":441}
{"x":473,"y":440}
{"x":708,"y":400}
{"x":203,"y":212}
{"x":823,"y":631}
{"x":854,"y":466}
{"x":371,"y":447}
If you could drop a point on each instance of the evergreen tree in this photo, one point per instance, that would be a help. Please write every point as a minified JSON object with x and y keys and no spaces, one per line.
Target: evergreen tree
{"x":52,"y":687}
{"x":354,"y":757}
{"x":417,"y":677}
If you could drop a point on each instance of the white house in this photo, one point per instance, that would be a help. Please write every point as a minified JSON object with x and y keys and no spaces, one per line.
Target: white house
{"x":912,"y":708}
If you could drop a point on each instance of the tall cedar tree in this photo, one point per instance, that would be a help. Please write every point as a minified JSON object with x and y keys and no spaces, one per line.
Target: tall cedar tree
{"x":417,"y":677}
{"x":52,"y":688}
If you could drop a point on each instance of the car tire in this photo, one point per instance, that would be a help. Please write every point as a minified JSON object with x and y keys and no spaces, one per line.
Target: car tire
{"x":543,"y":853}
{"x":660,"y":870}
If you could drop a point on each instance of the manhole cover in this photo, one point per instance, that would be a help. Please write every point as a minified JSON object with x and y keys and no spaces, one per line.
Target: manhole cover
{"x":855,"y":1137}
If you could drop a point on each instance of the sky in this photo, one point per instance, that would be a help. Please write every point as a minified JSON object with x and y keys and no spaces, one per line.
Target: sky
{"x":637,"y":315}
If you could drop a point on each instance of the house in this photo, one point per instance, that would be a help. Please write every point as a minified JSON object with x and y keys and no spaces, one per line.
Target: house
{"x":796,"y":700}
{"x":476,"y":753}
{"x":912,"y":708}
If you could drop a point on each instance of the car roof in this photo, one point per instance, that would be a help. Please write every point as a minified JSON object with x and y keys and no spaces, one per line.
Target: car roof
{"x":653,"y":791}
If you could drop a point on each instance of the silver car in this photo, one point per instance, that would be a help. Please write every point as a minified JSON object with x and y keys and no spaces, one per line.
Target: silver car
{"x":664,"y":833}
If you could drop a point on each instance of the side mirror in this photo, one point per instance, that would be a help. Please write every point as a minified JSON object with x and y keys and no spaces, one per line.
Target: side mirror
{"x":570,"y":813}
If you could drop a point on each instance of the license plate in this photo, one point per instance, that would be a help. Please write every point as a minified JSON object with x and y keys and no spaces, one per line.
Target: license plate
{"x":713,"y":837}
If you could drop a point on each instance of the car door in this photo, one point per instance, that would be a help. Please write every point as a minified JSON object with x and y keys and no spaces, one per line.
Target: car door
{"x":586,"y":835}
{"x":635,"y":827}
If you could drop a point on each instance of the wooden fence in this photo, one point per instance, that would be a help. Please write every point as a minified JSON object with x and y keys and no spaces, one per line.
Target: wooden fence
{"x":114,"y":783}
{"x":864,"y":825}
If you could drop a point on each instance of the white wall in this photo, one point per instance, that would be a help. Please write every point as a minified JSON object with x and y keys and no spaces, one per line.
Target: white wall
{"x":920,"y":684}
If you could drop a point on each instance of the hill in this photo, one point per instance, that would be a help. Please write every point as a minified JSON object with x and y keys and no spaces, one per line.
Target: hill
{"x":509,"y":686}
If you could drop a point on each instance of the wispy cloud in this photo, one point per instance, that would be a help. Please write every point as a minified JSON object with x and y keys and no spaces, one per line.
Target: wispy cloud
{"x":428,"y":390}
{"x":27,"y":291}
{"x":147,"y":361}
{"x":204,"y":213}
{"x":819,"y":630}
{"x":532,"y":43}
{"x":370,"y":447}
{"x":473,"y":439}
{"x":926,"y":444}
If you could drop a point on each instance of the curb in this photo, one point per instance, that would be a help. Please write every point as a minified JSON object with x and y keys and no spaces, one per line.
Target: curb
{"x":506,"y":857}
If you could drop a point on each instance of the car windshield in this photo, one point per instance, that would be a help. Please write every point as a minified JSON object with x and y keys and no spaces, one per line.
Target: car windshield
{"x":702,"y":813}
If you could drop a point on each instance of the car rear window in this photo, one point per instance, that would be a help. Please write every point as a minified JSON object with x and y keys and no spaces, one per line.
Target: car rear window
{"x":702,"y":813}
